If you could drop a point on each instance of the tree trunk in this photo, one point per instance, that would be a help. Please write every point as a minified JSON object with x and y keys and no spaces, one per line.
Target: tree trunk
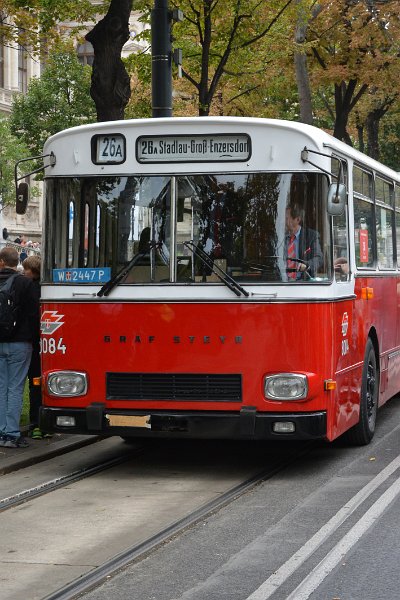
{"x":302,"y":78}
{"x":360,"y":134}
{"x":303,"y":88}
{"x":372,"y":126}
{"x":372,"y":123}
{"x":110,"y":87}
{"x":346,"y":98}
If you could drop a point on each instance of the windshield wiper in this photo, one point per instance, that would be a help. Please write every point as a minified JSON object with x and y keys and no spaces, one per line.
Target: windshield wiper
{"x":114,"y":281}
{"x":217,"y":270}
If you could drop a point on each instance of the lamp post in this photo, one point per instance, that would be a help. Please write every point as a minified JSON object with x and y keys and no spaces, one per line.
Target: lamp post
{"x":161,"y":60}
{"x":161,"y":57}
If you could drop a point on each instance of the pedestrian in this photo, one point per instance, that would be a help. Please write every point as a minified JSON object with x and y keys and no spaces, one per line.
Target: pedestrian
{"x":22,"y":256}
{"x":31,"y":267}
{"x":16,"y":335}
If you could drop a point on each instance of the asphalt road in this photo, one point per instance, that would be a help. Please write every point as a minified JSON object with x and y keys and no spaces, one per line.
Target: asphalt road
{"x":325,"y":528}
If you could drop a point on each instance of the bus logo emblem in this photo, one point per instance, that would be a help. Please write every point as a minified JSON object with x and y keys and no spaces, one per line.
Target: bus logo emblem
{"x":50,"y":322}
{"x":345,"y":323}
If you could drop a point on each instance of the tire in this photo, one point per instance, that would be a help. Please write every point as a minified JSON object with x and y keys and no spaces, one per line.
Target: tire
{"x":362,"y":433}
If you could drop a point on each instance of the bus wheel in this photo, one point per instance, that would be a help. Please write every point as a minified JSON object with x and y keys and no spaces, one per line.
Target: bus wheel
{"x":362,"y":433}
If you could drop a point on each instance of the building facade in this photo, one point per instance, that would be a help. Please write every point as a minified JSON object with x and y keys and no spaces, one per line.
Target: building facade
{"x":17,"y":67}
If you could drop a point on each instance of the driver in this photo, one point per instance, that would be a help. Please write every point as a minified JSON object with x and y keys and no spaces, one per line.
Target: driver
{"x":303,"y":249}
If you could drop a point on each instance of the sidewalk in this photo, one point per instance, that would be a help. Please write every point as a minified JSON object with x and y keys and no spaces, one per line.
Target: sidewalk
{"x":12,"y":459}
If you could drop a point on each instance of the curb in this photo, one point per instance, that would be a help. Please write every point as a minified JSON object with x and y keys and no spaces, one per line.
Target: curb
{"x":34,"y":455}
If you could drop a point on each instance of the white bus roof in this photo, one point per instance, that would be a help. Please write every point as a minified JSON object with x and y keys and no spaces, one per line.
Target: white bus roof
{"x":278,"y":150}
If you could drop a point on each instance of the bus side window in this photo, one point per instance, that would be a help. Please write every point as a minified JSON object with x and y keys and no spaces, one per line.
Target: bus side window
{"x":397,"y":219}
{"x":384,"y":198}
{"x":341,"y":247}
{"x":364,"y":222}
{"x":341,"y":259}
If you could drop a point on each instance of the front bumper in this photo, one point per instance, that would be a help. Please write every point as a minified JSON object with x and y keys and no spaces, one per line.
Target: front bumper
{"x":246,"y":424}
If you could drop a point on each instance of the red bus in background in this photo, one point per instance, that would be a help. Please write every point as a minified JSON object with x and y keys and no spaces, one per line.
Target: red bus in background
{"x":217,"y":278}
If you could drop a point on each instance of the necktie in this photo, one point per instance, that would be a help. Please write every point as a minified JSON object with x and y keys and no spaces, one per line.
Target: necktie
{"x":291,"y":253}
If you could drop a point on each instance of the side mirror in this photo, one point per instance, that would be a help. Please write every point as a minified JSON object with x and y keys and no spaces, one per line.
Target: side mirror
{"x":22,"y":198}
{"x":336,"y":199}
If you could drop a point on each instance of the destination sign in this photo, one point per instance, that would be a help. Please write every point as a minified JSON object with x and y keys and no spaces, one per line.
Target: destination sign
{"x":193,"y":148}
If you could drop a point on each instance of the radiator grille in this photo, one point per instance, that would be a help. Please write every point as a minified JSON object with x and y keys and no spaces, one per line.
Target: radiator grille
{"x":199,"y":387}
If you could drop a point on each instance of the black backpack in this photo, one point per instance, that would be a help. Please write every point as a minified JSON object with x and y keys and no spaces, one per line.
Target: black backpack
{"x":8,"y":309}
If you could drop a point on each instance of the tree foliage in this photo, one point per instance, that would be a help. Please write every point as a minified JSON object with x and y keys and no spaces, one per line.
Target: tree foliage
{"x":223,"y":54}
{"x":58,"y":100}
{"x":356,"y":55}
{"x":12,"y":149}
{"x":249,"y":57}
{"x":35,"y":24}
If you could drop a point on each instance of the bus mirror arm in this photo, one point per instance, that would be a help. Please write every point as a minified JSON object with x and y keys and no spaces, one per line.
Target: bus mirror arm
{"x":337,"y":192}
{"x":22,"y":189}
{"x":339,"y":179}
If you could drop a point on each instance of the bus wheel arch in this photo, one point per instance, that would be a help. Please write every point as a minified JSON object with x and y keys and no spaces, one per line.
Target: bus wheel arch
{"x":362,"y":433}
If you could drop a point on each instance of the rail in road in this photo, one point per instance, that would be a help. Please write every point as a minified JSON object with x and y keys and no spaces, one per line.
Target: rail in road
{"x":307,"y":505}
{"x":85,"y":518}
{"x":137,"y":551}
{"x":325,"y":527}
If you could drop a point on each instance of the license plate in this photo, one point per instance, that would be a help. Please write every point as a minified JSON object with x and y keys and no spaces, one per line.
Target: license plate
{"x":129,"y":421}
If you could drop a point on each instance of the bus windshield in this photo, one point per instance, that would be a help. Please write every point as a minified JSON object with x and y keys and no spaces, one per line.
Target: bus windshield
{"x":257,"y":227}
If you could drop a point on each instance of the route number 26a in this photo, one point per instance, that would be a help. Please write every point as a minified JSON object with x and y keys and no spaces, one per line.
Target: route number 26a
{"x":51,"y":346}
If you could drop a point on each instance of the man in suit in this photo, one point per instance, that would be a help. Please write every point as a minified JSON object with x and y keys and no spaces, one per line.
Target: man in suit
{"x":302,"y":244}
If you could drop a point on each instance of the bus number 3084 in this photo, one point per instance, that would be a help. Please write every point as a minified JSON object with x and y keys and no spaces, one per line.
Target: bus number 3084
{"x":51,"y":346}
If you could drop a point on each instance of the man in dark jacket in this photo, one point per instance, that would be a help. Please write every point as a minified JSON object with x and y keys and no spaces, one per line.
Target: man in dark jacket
{"x":15,"y":350}
{"x":303,"y":249}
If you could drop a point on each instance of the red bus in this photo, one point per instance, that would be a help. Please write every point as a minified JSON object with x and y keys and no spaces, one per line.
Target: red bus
{"x":217,"y":278}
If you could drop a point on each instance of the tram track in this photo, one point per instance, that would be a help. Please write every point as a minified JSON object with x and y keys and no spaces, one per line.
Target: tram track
{"x":137,"y":552}
{"x":59,"y":482}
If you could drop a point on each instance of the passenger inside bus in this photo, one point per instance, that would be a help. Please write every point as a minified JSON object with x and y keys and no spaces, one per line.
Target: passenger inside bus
{"x":303,"y":249}
{"x":341,"y":267}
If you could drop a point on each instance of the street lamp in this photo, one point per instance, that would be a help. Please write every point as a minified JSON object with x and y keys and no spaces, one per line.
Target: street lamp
{"x":161,"y":57}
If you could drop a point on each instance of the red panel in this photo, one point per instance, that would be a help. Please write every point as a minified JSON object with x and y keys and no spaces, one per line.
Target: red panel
{"x":325,"y":340}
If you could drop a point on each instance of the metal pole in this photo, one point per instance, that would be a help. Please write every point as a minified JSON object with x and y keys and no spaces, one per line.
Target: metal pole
{"x":161,"y":60}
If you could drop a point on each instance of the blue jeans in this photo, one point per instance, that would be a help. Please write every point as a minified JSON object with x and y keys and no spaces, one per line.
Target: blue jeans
{"x":15,"y":358}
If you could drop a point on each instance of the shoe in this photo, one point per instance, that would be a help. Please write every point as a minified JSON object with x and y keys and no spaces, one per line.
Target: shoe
{"x":3,"y":439}
{"x":37,"y":434}
{"x":16,"y":442}
{"x":47,"y":435}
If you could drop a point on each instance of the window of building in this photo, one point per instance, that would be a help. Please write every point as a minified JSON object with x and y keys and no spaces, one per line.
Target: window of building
{"x":1,"y":62}
{"x":85,"y":53}
{"x":22,"y":70}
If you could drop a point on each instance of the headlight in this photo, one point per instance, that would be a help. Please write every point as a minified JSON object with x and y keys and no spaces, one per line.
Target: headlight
{"x":67,"y":383}
{"x":286,"y":386}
